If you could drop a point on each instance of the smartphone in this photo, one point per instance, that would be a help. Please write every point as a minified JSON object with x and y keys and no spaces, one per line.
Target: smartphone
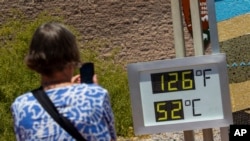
{"x":87,"y":72}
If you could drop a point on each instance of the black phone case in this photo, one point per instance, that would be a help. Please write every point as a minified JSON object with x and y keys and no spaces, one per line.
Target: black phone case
{"x":87,"y":72}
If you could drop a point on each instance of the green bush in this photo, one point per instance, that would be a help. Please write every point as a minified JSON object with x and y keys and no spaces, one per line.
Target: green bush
{"x":15,"y":35}
{"x":113,"y":77}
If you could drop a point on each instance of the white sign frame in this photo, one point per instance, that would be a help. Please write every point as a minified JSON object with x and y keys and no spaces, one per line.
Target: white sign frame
{"x":140,"y":119}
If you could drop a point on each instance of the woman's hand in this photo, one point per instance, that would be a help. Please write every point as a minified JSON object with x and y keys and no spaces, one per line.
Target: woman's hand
{"x":77,"y":79}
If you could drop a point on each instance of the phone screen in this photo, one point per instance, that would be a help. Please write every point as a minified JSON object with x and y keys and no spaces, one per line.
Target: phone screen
{"x":87,"y":73}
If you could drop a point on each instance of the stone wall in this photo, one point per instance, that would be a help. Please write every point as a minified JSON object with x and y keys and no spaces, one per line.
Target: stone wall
{"x":141,"y":28}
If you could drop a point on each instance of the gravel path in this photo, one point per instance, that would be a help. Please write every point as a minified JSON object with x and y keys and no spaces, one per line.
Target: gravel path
{"x":176,"y":136}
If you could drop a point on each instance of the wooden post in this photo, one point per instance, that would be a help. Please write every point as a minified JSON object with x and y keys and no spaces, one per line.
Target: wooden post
{"x":224,"y":133}
{"x":207,"y":134}
{"x":197,"y":28}
{"x":199,"y":47}
{"x":179,"y":44}
{"x":179,"y":41}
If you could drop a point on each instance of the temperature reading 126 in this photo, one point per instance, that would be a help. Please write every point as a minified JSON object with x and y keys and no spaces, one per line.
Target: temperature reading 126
{"x":176,"y":80}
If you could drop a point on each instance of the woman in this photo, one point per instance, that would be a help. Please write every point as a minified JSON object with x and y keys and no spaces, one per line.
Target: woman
{"x":53,"y":53}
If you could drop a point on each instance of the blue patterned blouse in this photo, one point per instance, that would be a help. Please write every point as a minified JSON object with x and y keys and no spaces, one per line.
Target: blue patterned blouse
{"x":87,"y":106}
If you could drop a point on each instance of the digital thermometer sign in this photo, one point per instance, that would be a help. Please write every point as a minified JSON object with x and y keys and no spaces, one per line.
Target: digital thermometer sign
{"x":180,"y":94}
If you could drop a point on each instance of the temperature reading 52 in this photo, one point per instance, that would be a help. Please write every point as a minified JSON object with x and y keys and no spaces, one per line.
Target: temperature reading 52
{"x":173,"y":109}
